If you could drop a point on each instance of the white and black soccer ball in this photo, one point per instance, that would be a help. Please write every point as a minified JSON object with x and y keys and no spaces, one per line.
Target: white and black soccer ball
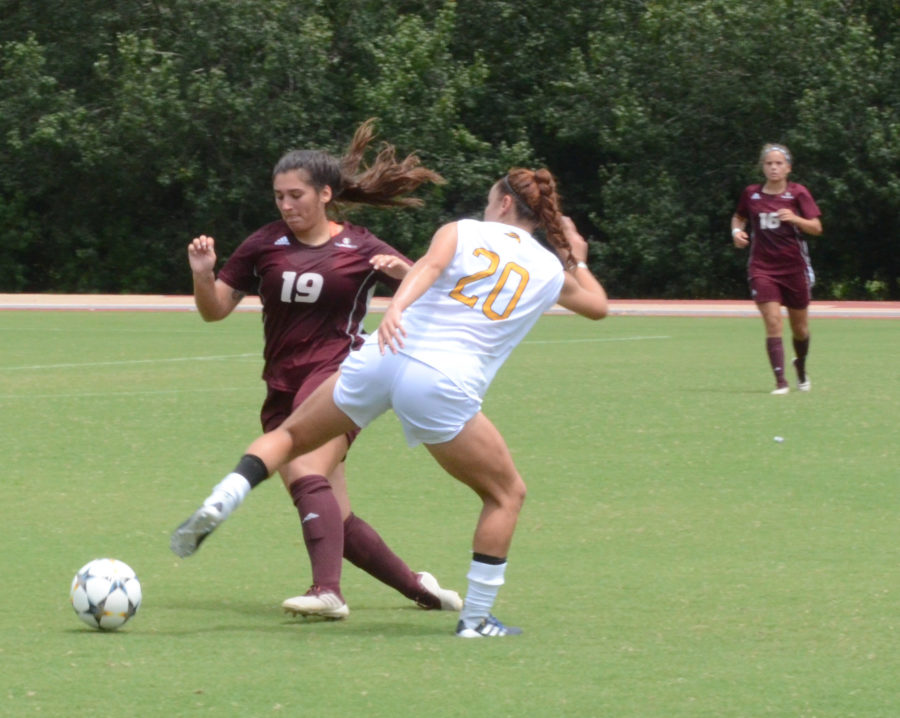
{"x":105,"y":593}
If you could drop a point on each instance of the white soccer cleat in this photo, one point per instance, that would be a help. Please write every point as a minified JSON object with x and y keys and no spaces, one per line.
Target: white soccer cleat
{"x":489,"y":627}
{"x":450,"y":600}
{"x":186,"y":539}
{"x":317,"y":602}
{"x":781,"y":390}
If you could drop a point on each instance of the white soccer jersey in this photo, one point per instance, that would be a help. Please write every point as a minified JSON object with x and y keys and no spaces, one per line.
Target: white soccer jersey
{"x":484,"y":303}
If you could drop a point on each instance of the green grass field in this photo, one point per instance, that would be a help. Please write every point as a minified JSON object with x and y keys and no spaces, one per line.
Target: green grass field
{"x":672,"y":560}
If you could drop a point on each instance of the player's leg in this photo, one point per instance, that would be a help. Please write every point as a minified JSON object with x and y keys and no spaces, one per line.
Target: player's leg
{"x":478,"y":456}
{"x":312,"y":424}
{"x":320,"y":511}
{"x":317,"y":429}
{"x":331,"y":531}
{"x":771,"y":315}
{"x":799,"y":320}
{"x":797,"y":297}
{"x":767,"y":293}
{"x":225,"y":497}
{"x":363,"y":392}
{"x":316,"y":421}
{"x":367,"y":550}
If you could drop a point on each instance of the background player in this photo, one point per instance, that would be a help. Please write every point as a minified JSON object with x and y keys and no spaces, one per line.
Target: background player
{"x":778,"y":268}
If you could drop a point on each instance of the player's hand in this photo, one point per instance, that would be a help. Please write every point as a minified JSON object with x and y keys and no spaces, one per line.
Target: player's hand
{"x":740,"y":239}
{"x":390,"y":264}
{"x":202,"y":254}
{"x":787,"y":215}
{"x":577,"y":243}
{"x":391,"y":331}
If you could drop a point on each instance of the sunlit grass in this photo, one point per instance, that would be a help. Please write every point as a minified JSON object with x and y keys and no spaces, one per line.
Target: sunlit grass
{"x":672,"y":560}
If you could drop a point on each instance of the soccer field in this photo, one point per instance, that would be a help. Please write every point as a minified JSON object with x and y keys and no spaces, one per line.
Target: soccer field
{"x":673,"y":560}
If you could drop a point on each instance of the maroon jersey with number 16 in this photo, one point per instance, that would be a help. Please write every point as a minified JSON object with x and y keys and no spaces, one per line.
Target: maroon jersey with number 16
{"x":314,"y":298}
{"x":776,"y":247}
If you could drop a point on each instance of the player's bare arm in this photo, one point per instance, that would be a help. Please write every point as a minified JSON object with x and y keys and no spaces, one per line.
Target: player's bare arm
{"x":577,"y":242}
{"x":581,"y":292}
{"x":391,"y":265}
{"x":807,"y":226}
{"x":419,"y":278}
{"x":738,"y":232}
{"x":214,"y":299}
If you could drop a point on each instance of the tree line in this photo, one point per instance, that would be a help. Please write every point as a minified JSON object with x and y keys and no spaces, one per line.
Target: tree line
{"x":128,"y":127}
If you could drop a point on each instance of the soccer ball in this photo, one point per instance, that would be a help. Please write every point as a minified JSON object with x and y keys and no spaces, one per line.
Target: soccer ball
{"x":105,"y":593}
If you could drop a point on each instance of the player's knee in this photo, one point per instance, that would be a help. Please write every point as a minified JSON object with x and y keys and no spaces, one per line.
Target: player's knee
{"x":297,"y":435}
{"x":515,"y":493}
{"x":522,"y":495}
{"x":507,"y":493}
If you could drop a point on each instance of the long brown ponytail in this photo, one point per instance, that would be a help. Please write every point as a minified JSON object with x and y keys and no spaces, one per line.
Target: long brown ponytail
{"x":536,"y":198}
{"x":383,"y":184}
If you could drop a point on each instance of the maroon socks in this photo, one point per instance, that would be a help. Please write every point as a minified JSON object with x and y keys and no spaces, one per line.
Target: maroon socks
{"x":365,"y":549}
{"x":801,"y":349}
{"x":329,"y":540}
{"x":323,"y":530}
{"x":775,"y":350}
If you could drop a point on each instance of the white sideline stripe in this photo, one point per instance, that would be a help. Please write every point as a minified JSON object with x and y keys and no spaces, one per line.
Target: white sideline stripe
{"x":223,"y":357}
{"x":80,"y":365}
{"x":594,"y":339}
{"x":95,"y":394}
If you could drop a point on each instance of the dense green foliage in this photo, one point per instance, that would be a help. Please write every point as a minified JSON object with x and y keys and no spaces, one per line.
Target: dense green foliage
{"x":128,"y":127}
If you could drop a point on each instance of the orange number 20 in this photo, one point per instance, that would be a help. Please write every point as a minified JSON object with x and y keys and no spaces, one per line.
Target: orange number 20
{"x":508,"y":269}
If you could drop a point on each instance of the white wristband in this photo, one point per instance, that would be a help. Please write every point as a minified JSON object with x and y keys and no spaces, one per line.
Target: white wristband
{"x":581,"y":265}
{"x":735,"y":230}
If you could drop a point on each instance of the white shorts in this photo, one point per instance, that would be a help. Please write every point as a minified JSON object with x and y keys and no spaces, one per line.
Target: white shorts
{"x":431,"y":408}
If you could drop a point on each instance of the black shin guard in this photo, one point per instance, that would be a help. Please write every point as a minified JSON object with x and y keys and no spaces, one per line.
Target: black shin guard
{"x":253,"y":469}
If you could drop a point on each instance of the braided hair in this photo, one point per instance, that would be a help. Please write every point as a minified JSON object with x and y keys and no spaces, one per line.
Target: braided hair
{"x":536,"y":199}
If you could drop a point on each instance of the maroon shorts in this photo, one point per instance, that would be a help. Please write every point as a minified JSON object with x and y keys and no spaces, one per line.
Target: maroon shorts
{"x":791,"y":290}
{"x":279,"y":404}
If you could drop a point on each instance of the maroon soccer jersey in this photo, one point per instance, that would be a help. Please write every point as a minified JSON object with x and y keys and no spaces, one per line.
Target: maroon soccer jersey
{"x":314,"y":298}
{"x":776,"y":247}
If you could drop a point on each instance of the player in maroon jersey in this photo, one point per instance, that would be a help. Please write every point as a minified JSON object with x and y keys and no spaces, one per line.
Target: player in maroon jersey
{"x":779,"y":270}
{"x":315,"y":278}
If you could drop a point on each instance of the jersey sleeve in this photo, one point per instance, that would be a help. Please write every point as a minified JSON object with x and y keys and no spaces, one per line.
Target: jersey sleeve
{"x":239,"y":271}
{"x":808,"y":207}
{"x":743,"y":205}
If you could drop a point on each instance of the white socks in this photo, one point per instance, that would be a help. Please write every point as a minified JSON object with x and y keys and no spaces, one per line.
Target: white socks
{"x":485,"y":580}
{"x":229,"y":493}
